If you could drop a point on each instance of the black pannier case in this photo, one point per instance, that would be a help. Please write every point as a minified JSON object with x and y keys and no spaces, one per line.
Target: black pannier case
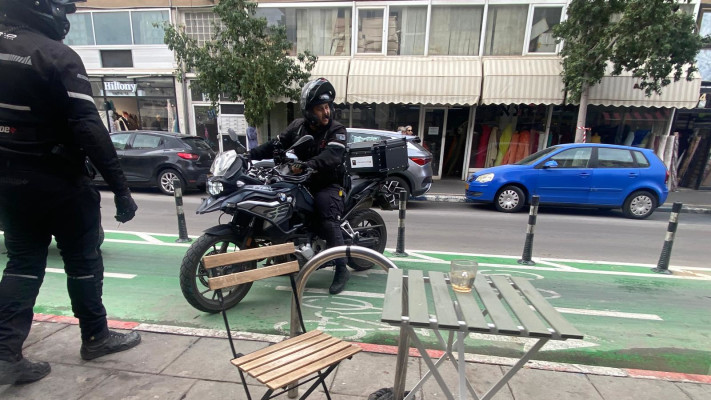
{"x":377,"y":157}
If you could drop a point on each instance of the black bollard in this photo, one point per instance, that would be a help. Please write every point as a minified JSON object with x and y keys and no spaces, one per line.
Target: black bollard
{"x":663,"y":264}
{"x":400,"y":248}
{"x":528,"y":246}
{"x":182,"y":227}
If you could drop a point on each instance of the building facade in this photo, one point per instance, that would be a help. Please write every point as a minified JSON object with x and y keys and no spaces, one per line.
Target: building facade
{"x":470,"y":76}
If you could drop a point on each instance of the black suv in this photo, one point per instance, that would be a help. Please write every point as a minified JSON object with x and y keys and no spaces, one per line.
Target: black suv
{"x":150,"y":158}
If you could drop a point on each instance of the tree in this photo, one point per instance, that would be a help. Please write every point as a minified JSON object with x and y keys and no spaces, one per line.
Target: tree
{"x":653,"y":39}
{"x":245,"y":60}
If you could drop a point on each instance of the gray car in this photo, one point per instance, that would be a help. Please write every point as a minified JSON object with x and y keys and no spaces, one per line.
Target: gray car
{"x":417,"y":178}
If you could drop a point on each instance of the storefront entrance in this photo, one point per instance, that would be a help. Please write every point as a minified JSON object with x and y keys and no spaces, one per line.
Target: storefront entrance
{"x":444,"y":134}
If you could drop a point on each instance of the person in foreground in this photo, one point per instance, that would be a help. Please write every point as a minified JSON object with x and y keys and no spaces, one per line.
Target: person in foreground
{"x":325,"y":157}
{"x":49,"y":125}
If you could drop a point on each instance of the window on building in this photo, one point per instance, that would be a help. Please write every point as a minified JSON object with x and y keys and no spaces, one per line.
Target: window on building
{"x":82,"y":31}
{"x":199,"y":25}
{"x":112,"y":28}
{"x":116,"y":58}
{"x":541,"y":39}
{"x":370,"y":30}
{"x":408,"y":35}
{"x":144,"y":32}
{"x":322,"y":31}
{"x":505,"y":30}
{"x":455,"y":30}
{"x":703,"y":59}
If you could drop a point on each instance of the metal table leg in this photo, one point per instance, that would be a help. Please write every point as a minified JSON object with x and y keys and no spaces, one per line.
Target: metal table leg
{"x":403,"y":350}
{"x":530,"y":353}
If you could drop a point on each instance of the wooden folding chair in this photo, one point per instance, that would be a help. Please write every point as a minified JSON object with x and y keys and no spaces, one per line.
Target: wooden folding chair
{"x":281,"y":365}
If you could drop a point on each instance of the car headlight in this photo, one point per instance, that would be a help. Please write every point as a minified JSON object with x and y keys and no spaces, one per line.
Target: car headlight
{"x":214,"y":188}
{"x":484,"y":178}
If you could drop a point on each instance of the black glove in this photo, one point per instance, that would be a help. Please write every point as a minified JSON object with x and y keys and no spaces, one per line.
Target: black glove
{"x":125,"y":207}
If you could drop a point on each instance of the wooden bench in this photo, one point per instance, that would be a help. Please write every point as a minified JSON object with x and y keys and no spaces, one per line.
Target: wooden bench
{"x":283,"y":364}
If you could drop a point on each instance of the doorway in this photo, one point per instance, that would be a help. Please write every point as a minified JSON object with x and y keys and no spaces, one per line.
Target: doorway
{"x":433,"y":123}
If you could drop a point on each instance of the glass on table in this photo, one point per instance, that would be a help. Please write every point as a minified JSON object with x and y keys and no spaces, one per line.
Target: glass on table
{"x":462,"y":274}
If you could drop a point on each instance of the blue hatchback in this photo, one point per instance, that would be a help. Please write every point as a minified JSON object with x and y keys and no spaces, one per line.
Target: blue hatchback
{"x":577,"y":174}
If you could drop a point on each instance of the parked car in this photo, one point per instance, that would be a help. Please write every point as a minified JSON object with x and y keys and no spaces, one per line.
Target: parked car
{"x":417,"y":178}
{"x":154,"y":158}
{"x":577,"y":174}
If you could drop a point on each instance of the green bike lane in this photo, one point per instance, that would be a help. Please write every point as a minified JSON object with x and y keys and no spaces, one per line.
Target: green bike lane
{"x":630,"y":316}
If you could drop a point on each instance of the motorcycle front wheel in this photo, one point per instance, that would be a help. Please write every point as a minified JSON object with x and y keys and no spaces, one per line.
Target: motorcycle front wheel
{"x":371,"y":234}
{"x":193,"y":275}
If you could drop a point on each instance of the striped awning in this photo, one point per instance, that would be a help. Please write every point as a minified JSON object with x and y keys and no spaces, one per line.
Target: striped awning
{"x":415,"y":80}
{"x":522,"y":80}
{"x":620,"y":91}
{"x":335,"y":69}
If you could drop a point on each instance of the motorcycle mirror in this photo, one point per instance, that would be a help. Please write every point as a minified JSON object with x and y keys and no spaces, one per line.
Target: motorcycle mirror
{"x":240,"y":149}
{"x":233,"y":134}
{"x":301,"y":141}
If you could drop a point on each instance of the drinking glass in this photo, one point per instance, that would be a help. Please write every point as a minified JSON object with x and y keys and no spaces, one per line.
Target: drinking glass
{"x":462,"y":274}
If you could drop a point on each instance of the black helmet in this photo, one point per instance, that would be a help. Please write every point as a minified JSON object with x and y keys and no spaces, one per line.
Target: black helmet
{"x":47,"y":16}
{"x":316,"y":92}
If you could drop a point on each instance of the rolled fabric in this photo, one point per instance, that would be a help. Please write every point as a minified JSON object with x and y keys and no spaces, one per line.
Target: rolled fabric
{"x":662,"y":146}
{"x":504,"y":143}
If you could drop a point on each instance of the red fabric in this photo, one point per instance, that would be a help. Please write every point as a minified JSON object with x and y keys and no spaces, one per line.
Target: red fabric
{"x":481,"y":149}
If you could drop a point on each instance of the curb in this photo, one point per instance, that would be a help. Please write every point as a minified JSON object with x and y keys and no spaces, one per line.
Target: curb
{"x":456,"y":198}
{"x":392,"y":350}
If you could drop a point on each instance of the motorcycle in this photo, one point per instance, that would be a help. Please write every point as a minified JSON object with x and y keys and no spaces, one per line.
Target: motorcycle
{"x":272,"y":205}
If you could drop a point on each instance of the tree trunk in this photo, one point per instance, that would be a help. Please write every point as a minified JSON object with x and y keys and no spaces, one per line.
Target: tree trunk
{"x":582,"y":114}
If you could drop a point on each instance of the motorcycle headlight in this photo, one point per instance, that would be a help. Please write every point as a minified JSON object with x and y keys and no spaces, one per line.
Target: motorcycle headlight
{"x":214,"y":188}
{"x":484,"y":178}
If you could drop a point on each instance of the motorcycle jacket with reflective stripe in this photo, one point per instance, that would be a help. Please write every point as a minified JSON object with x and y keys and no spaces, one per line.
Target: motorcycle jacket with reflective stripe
{"x":325,"y":154}
{"x":48,"y":119}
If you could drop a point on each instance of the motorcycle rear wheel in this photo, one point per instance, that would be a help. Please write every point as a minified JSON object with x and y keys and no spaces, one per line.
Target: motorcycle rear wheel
{"x":193,"y":276}
{"x":372,"y":232}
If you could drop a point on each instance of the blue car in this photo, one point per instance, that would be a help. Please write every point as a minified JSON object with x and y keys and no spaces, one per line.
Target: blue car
{"x":576,"y":174}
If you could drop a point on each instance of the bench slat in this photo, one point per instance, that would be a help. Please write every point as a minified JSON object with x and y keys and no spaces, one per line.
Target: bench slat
{"x":275,"y":347}
{"x":528,"y":318}
{"x":321,"y":361}
{"x":218,"y":260}
{"x":417,"y":301}
{"x":560,"y":324}
{"x":497,"y":312}
{"x":252,"y":275}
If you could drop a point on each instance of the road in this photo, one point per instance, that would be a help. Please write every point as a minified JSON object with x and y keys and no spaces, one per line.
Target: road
{"x":457,"y":227}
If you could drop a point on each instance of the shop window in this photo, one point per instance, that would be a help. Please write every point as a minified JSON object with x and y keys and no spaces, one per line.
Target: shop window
{"x":116,"y":58}
{"x":573,"y":158}
{"x":199,"y":26}
{"x":82,"y":31}
{"x":112,"y":28}
{"x":370,"y":30}
{"x":143,"y":30}
{"x":541,"y":30}
{"x":614,"y":158}
{"x":455,"y":30}
{"x":156,"y":87}
{"x":408,"y":35}
{"x":505,"y":30}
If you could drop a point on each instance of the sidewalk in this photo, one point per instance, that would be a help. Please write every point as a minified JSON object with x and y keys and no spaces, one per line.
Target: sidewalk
{"x":693,"y":201}
{"x":183,"y":363}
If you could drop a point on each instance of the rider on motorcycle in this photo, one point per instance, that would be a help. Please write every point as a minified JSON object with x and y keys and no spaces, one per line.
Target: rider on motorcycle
{"x":325,"y":157}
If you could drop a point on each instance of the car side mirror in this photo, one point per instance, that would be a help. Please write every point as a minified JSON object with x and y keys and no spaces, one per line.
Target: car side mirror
{"x":550,"y":164}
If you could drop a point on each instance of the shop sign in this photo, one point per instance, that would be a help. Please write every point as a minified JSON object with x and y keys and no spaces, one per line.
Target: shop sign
{"x":120,"y":88}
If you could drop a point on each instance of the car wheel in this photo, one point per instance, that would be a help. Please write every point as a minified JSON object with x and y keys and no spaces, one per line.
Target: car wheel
{"x":165,"y":181}
{"x":639,"y":205}
{"x":395,"y":182}
{"x":510,"y":199}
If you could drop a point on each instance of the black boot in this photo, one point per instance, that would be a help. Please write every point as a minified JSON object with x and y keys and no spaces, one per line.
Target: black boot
{"x":113,"y":343}
{"x":22,"y":371}
{"x":339,"y":279}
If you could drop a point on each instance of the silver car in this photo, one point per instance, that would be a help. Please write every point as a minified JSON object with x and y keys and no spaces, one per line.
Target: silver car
{"x":417,"y":178}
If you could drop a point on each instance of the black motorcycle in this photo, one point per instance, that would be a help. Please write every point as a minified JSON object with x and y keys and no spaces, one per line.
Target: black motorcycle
{"x":271,"y":205}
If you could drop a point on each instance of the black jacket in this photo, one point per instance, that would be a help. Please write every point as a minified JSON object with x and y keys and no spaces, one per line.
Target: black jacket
{"x":48,"y":119}
{"x":325,"y":155}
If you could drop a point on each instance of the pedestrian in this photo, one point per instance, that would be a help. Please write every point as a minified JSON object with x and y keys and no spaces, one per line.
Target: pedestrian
{"x":408,"y":130}
{"x":401,"y":130}
{"x":252,"y":137}
{"x":156,"y":125}
{"x":49,"y":125}
{"x":325,"y":156}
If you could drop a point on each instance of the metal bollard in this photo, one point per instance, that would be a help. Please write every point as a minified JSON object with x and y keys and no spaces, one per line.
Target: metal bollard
{"x":663,"y":264}
{"x":182,"y":227}
{"x":400,"y":248}
{"x":528,"y":246}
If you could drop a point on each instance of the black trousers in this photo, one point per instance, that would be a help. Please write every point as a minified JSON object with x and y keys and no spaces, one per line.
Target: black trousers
{"x":33,"y":208}
{"x":329,"y":204}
